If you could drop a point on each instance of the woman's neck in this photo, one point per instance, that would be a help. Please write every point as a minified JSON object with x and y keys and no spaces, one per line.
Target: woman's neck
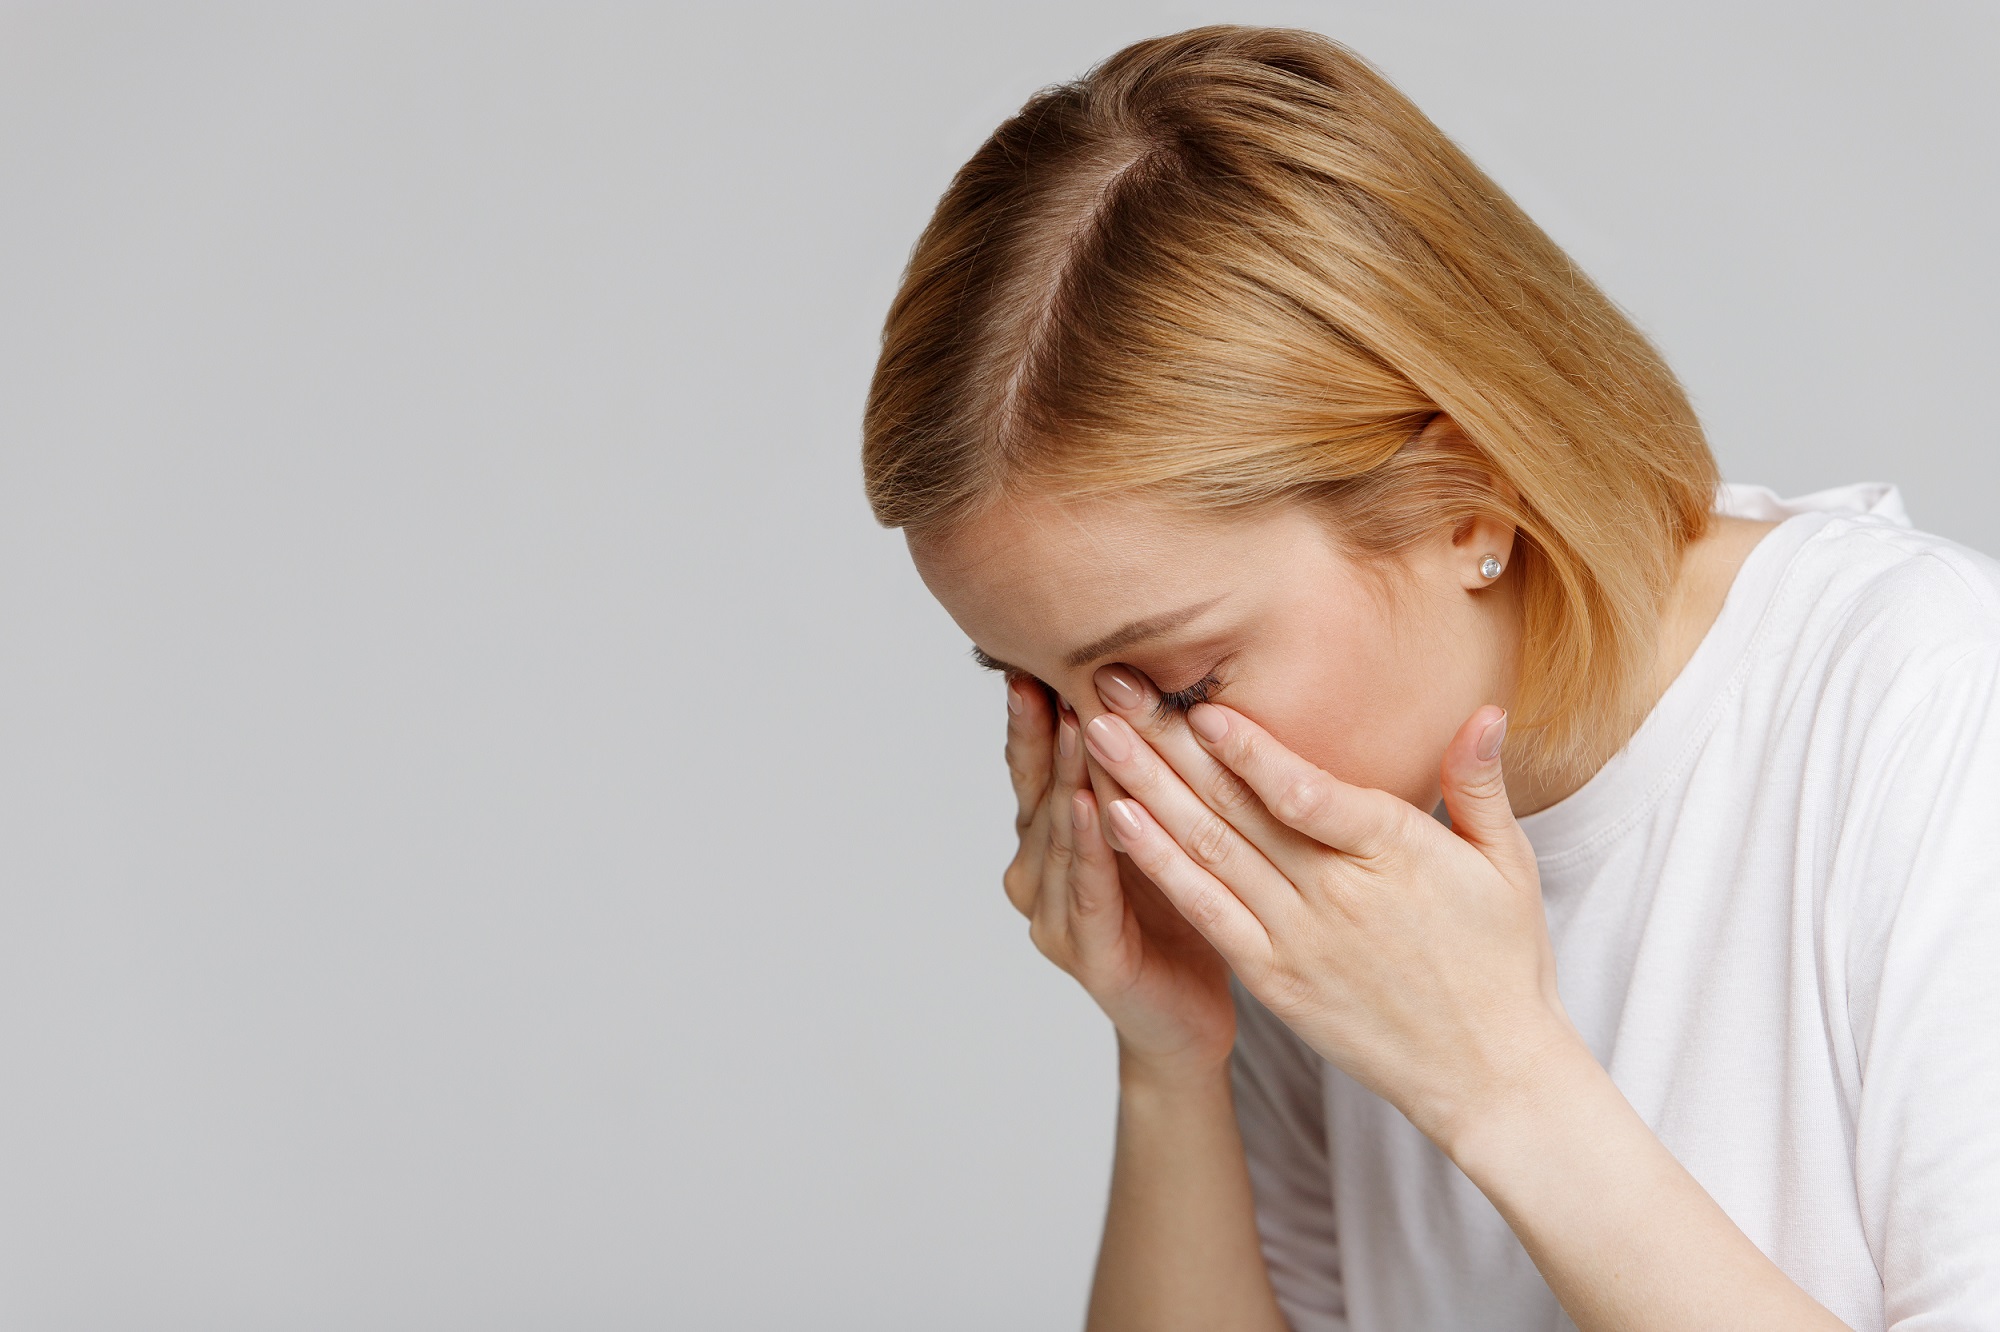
{"x":1708,"y":569}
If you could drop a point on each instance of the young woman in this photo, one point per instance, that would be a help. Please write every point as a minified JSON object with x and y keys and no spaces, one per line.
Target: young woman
{"x":1287,"y":469}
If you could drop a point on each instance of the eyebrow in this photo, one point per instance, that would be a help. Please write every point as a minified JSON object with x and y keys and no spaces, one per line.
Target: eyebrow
{"x":1152,"y":626}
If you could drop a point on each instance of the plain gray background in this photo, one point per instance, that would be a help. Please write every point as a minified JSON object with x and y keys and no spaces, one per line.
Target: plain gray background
{"x":491,"y":835}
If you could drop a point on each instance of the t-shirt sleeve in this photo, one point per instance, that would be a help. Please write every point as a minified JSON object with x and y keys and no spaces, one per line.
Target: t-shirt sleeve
{"x":1923,"y":1000}
{"x":1281,"y":1114}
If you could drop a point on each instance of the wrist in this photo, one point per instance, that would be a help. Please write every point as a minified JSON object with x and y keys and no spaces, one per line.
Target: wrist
{"x":1536,"y":1109}
{"x":1175,"y":1074}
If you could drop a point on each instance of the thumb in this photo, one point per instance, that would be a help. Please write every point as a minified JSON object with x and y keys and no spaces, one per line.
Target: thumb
{"x":1475,"y":790}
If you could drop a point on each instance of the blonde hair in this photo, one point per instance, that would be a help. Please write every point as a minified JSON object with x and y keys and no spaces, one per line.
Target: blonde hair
{"x":1234,"y":267}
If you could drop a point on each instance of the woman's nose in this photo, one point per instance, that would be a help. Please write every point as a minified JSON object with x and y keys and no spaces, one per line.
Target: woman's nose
{"x":1091,"y":705}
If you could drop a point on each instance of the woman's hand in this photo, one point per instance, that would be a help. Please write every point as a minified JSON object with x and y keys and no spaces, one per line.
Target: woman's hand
{"x":1092,"y":912}
{"x":1413,"y":956}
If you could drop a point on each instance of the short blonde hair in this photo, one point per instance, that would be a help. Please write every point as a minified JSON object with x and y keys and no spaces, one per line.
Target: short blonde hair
{"x":1234,"y":267}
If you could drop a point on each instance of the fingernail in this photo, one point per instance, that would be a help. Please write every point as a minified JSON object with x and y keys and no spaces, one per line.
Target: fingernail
{"x":1207,"y":721}
{"x":1066,"y":737}
{"x":1118,"y":689}
{"x":1124,"y":818}
{"x":1106,"y":736}
{"x":1013,"y":698}
{"x":1079,"y":811}
{"x":1490,"y":738}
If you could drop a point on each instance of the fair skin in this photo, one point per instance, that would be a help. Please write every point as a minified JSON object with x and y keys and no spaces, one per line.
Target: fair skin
{"x":1282,"y":831}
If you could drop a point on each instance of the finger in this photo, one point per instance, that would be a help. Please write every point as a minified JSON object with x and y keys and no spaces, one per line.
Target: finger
{"x":1030,"y":765}
{"x":1030,"y":746}
{"x":1106,"y":789}
{"x":1022,"y":880}
{"x":1205,"y":837}
{"x":1150,"y":908}
{"x":1052,"y":908}
{"x":1475,"y":794}
{"x":1096,"y":901}
{"x":1205,"y":901}
{"x":1358,"y":820}
{"x":1127,"y":691}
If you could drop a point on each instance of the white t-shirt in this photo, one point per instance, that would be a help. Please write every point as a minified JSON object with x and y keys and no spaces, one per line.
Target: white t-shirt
{"x":1776,"y":917}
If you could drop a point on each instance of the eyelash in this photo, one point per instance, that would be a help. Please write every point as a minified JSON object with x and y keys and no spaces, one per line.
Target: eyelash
{"x":1183,"y":699}
{"x":1180,"y":700}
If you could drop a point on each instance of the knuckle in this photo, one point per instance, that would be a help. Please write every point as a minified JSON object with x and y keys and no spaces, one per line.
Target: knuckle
{"x":1205,"y":910}
{"x":1229,"y":793}
{"x":1018,"y":882}
{"x":1285,"y":991}
{"x":1209,"y":841}
{"x":1305,"y":796}
{"x":1018,"y":766}
{"x":1060,"y":852}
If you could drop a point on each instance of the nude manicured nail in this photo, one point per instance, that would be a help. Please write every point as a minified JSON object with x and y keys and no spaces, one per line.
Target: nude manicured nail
{"x":1124,"y":819}
{"x":1013,"y":698}
{"x":1118,"y":689}
{"x":1490,"y":738}
{"x":1208,"y":722}
{"x":1079,"y":811}
{"x":1066,"y":737}
{"x":1108,"y":739}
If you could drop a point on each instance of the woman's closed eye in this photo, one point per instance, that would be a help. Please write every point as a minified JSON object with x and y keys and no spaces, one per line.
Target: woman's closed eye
{"x":1180,"y":700}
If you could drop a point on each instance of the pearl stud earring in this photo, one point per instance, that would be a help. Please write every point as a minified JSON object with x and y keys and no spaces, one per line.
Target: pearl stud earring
{"x":1490,"y":567}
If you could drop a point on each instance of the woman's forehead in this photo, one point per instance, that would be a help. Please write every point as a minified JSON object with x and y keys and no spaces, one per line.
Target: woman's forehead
{"x":1028,"y":583}
{"x":1104,"y":534}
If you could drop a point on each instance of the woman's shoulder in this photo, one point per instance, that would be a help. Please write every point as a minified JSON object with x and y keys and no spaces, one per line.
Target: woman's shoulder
{"x":1867,"y":593}
{"x":1880,"y":658}
{"x":1884,"y":643}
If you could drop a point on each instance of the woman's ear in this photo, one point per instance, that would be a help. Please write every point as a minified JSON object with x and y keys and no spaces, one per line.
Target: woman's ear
{"x":1485,"y":551}
{"x":1484,"y":537}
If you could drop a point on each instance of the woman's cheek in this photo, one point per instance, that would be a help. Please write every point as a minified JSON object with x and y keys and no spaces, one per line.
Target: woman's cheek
{"x":1314,"y":734}
{"x":1357,"y":750}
